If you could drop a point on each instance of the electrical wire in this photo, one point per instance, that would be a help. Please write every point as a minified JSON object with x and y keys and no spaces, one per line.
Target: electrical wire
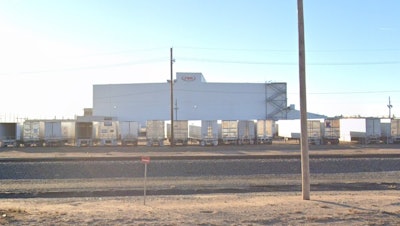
{"x":287,"y":63}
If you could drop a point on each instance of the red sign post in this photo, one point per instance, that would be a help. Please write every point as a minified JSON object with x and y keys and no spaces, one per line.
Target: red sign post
{"x":146,"y":159}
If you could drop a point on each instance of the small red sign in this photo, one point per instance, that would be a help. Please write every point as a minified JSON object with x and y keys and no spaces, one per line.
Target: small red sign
{"x":146,"y":159}
{"x":188,"y":78}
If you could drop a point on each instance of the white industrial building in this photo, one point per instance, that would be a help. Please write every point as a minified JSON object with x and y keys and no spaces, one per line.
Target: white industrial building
{"x":194,"y":99}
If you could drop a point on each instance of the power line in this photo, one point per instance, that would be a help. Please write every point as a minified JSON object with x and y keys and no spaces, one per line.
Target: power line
{"x":123,"y":64}
{"x":286,"y":50}
{"x":354,"y":92}
{"x":208,"y":60}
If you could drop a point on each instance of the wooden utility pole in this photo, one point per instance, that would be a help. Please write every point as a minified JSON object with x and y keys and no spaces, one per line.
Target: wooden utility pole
{"x":172,"y":101}
{"x":305,"y":166}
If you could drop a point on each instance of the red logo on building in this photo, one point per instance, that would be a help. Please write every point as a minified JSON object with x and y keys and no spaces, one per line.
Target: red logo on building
{"x":188,"y":78}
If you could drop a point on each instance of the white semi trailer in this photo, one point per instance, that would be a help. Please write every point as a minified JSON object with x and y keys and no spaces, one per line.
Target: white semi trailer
{"x":331,"y":131}
{"x":106,"y":132}
{"x":53,"y":133}
{"x":314,"y":130}
{"x":363,"y":130}
{"x":395,"y":130}
{"x":84,"y":134}
{"x":290,"y":129}
{"x":229,"y":132}
{"x":181,"y":132}
{"x":155,"y":132}
{"x":33,"y":133}
{"x":209,"y":132}
{"x":10,"y":134}
{"x":265,"y":131}
{"x":129,"y":132}
{"x":246,"y":132}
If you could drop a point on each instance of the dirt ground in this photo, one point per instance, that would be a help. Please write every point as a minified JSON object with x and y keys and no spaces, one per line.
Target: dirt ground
{"x":287,"y":208}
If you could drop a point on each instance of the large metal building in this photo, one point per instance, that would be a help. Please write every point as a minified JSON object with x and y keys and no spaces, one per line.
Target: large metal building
{"x":194,"y":99}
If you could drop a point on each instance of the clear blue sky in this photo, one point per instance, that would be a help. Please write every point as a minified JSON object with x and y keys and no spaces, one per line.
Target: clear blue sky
{"x":52,"y":52}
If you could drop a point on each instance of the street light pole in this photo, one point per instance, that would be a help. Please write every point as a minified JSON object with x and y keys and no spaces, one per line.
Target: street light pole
{"x":305,"y":167}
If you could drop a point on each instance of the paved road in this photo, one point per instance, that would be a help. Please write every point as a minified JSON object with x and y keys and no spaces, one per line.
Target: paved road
{"x":190,"y":168}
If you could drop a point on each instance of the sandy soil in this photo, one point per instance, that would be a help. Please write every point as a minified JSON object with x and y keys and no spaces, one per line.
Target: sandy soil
{"x":332,"y":208}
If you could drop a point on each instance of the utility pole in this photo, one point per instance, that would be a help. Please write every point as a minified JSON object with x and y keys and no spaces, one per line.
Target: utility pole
{"x":172,"y":100}
{"x":305,"y":167}
{"x":176,"y":109}
{"x":390,"y":108}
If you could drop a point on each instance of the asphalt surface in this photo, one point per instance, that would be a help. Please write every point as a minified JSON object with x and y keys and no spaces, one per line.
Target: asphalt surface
{"x":189,"y":168}
{"x":193,"y":152}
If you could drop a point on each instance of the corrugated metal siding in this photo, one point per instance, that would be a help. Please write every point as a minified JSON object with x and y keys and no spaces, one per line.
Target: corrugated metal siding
{"x":195,"y":101}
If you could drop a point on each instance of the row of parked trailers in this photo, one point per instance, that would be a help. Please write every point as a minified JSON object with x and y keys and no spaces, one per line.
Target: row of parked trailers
{"x":206,"y":132}
{"x":334,"y":130}
{"x":154,"y":133}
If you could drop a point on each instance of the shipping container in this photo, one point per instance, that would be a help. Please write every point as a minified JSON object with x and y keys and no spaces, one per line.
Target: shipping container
{"x":229,"y":132}
{"x":155,"y":132}
{"x":331,"y":131}
{"x":246,"y":132}
{"x":84,"y":133}
{"x":209,"y":132}
{"x":363,"y":130}
{"x":106,"y":132}
{"x":181,"y":132}
{"x":395,"y":130}
{"x":265,"y":131}
{"x":129,"y":132}
{"x":10,"y":134}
